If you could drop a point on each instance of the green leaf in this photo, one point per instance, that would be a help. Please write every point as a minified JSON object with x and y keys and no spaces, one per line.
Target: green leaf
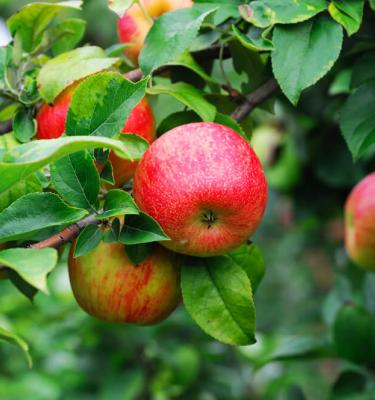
{"x":106,"y":174}
{"x":372,"y":4}
{"x":102,"y":103}
{"x":32,"y":20}
{"x":357,"y":119}
{"x":33,"y":265}
{"x":61,"y":71}
{"x":24,"y":126}
{"x":250,"y":259}
{"x":256,"y":39}
{"x":304,"y":53}
{"x":8,"y":336}
{"x":188,"y":95}
{"x":141,"y":229}
{"x":350,"y":385}
{"x":225,"y":119}
{"x":170,"y":35}
{"x":87,"y":240}
{"x":111,"y":234}
{"x":348,"y":13}
{"x":120,"y":6}
{"x":269,"y":12}
{"x":363,"y":69}
{"x":354,"y":335}
{"x":139,"y":252}
{"x":67,"y":34}
{"x":176,"y":119}
{"x":225,"y":9}
{"x":217,"y":294}
{"x":33,"y":212}
{"x":342,"y":82}
{"x":118,"y":202}
{"x":76,"y":179}
{"x":22,"y":161}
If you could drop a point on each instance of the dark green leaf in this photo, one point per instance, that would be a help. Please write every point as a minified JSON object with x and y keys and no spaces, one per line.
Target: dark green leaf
{"x":231,"y":123}
{"x":304,"y":53}
{"x":176,"y":119}
{"x":364,"y":69}
{"x":250,"y":259}
{"x":141,"y":229}
{"x":33,"y":265}
{"x":112,"y":233}
{"x":225,"y":9}
{"x":269,"y":12}
{"x":22,"y":161}
{"x":255,"y":39}
{"x":188,"y":95}
{"x":357,"y":119}
{"x":170,"y":35}
{"x":350,"y":385}
{"x":139,"y":252}
{"x":348,"y":13}
{"x":33,"y":212}
{"x":32,"y":20}
{"x":87,"y":240}
{"x":106,"y":173}
{"x":117,"y":202}
{"x":217,"y":294}
{"x":102,"y":103}
{"x":67,"y":34}
{"x":76,"y":179}
{"x":22,"y":286}
{"x":24,"y":125}
{"x":61,"y":71}
{"x":8,"y":336}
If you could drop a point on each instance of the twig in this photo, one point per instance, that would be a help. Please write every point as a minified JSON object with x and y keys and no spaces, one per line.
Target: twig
{"x":255,"y":98}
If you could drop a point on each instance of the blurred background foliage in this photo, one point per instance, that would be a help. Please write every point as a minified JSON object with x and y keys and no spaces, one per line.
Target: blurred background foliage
{"x":308,"y":277}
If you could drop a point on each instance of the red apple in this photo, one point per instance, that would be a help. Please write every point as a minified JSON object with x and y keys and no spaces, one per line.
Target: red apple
{"x":51,"y":124}
{"x":205,"y":186}
{"x":107,"y":285}
{"x":134,"y":25}
{"x":360,"y":223}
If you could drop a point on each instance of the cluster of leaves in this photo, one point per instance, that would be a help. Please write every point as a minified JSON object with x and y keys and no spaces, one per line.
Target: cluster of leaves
{"x":297,"y":43}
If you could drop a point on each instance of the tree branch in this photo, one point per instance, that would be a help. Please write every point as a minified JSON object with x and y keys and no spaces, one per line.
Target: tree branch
{"x":255,"y":98}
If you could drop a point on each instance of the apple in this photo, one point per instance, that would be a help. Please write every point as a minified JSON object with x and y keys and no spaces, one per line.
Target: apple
{"x":51,"y":124}
{"x":134,"y":25}
{"x":360,"y":223}
{"x":107,"y":285}
{"x":205,"y":186}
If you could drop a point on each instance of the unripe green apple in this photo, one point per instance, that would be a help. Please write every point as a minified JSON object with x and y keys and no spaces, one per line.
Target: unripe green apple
{"x":51,"y":121}
{"x":277,"y":154}
{"x":360,"y":223}
{"x":107,"y":285}
{"x":134,"y":25}
{"x":205,"y":186}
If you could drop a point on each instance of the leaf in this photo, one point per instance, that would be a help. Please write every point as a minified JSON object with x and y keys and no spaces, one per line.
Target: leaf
{"x":176,"y":119}
{"x":117,"y":202}
{"x":256,"y":39}
{"x":250,"y":259}
{"x":372,"y":4}
{"x":171,"y":34}
{"x":61,"y":71}
{"x":354,"y":335}
{"x":188,"y":95}
{"x":217,"y":294}
{"x":350,"y":385}
{"x":33,"y":265}
{"x":22,"y":161}
{"x":8,"y":336}
{"x":67,"y":34}
{"x":363,"y":69}
{"x":357,"y":119}
{"x":32,"y":20}
{"x":76,"y":179}
{"x":87,"y":240}
{"x":33,"y":212}
{"x":348,"y":13}
{"x":225,"y":9}
{"x":102,"y":103}
{"x":111,"y":234}
{"x":141,"y":229}
{"x":225,"y":119}
{"x":304,"y":53}
{"x":270,"y":12}
{"x":106,"y":173}
{"x":139,"y":252}
{"x":120,"y":6}
{"x":24,"y":125}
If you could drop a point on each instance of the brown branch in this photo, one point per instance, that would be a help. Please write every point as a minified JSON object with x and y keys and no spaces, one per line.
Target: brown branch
{"x":254,"y":99}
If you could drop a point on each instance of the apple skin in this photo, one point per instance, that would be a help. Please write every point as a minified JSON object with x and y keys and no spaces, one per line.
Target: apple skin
{"x":360,"y":223}
{"x":205,"y":186}
{"x":133,"y":26}
{"x":51,"y":121}
{"x":108,"y":286}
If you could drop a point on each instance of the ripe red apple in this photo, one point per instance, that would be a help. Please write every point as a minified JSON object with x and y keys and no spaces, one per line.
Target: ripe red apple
{"x":205,"y":186}
{"x":360,"y":223}
{"x":51,"y":124}
{"x":107,"y":285}
{"x":134,"y":25}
